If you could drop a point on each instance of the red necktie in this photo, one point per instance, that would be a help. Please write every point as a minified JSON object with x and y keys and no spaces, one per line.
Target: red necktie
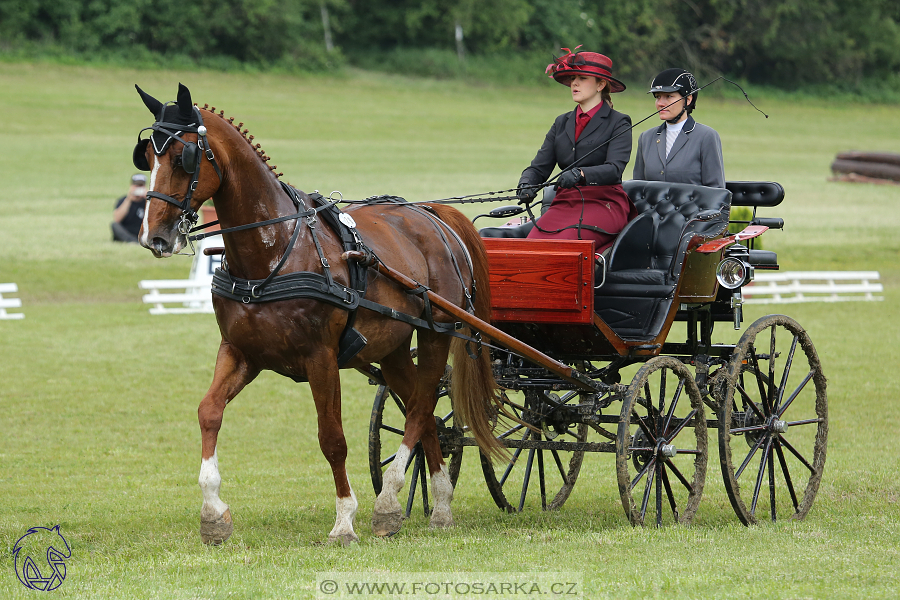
{"x":581,"y":122}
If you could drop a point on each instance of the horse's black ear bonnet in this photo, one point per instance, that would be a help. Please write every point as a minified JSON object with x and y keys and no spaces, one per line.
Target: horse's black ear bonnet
{"x":171,"y":121}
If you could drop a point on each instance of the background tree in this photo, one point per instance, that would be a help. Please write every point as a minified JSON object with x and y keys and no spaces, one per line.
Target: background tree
{"x":787,"y":43}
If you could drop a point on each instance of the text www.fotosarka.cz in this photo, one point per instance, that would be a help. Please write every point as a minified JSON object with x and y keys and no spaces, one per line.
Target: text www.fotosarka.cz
{"x":434,"y":586}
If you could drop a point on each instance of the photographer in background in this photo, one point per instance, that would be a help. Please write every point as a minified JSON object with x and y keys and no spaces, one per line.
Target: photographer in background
{"x":129,"y":212}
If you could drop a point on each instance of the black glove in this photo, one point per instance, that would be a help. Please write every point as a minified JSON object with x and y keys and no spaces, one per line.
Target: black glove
{"x":526,"y":193}
{"x":569,"y":179}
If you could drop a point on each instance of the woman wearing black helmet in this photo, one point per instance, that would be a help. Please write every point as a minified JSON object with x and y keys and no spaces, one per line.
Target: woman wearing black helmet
{"x":681,"y":150}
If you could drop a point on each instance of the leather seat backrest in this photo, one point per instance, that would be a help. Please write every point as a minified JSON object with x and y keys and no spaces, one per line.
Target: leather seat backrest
{"x":665,"y":209}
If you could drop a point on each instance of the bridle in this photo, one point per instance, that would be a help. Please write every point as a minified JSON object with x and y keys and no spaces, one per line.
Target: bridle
{"x":189,"y":160}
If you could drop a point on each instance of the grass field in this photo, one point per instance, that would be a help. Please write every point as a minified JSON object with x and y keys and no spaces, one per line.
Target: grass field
{"x":98,"y":429}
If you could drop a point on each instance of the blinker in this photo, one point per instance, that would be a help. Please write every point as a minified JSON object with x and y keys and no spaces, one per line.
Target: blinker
{"x":188,"y":154}
{"x":189,"y":158}
{"x":139,"y":156}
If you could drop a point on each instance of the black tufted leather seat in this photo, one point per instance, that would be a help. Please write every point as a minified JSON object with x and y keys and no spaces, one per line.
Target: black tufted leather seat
{"x":646,"y":259}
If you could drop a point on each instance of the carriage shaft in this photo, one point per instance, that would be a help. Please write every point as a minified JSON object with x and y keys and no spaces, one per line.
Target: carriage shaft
{"x":510,"y":343}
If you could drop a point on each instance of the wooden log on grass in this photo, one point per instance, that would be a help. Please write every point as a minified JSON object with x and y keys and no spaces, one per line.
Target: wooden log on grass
{"x":876,"y":165}
{"x":873,"y":157}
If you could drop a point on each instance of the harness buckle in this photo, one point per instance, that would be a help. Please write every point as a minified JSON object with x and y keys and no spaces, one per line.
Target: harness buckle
{"x":253,"y":291}
{"x":325,"y":263}
{"x":476,"y":354}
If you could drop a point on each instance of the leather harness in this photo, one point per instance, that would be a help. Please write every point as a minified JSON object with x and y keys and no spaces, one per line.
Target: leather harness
{"x":322,"y":287}
{"x":315,"y":286}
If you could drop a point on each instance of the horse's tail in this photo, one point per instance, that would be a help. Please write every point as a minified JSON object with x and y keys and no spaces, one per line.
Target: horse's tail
{"x":475,"y":393}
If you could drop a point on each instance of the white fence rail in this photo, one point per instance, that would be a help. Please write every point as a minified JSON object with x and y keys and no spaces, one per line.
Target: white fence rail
{"x":192,"y":295}
{"x":789,"y":287}
{"x":9,"y":288}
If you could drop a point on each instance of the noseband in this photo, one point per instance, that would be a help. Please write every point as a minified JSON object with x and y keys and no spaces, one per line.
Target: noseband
{"x":189,"y":159}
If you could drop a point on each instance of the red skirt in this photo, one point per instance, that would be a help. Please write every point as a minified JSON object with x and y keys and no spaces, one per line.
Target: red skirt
{"x":607,"y":207}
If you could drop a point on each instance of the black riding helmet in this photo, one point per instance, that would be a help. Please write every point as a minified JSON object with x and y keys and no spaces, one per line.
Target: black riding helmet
{"x":676,"y":80}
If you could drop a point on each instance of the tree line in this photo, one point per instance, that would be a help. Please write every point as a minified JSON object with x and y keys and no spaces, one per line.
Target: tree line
{"x":778,"y":42}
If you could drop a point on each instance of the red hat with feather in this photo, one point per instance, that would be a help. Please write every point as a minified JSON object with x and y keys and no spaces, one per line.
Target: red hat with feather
{"x":592,"y":64}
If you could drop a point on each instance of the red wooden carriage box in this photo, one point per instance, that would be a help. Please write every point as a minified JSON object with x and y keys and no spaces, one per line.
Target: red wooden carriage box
{"x":541,"y":281}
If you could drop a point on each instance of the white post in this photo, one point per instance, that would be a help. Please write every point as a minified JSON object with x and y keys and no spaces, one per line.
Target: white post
{"x":329,"y":46}
{"x":460,"y":49}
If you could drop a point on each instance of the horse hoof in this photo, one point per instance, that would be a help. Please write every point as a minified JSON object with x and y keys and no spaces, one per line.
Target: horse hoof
{"x":386,"y":524}
{"x":345,"y":539}
{"x":215,"y":532}
{"x":441,"y":518}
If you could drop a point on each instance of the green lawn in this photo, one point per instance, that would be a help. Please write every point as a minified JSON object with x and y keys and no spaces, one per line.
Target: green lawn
{"x":98,"y":429}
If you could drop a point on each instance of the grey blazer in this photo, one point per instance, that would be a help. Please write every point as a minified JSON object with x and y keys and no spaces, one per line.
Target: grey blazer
{"x":696,"y":156}
{"x":604,"y":166}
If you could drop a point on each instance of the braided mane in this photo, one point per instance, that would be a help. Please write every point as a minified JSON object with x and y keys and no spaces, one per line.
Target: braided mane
{"x":248,"y":138}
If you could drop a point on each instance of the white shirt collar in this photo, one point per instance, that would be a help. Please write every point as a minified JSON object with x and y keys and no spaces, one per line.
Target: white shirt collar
{"x":676,"y":128}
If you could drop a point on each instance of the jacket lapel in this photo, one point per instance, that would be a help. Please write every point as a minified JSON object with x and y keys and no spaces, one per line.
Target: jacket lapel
{"x":682,"y":138}
{"x":661,"y":143}
{"x":570,"y":127}
{"x":595,"y":122}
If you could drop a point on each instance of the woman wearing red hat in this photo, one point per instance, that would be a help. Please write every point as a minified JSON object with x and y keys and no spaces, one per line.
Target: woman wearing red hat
{"x":592,"y":145}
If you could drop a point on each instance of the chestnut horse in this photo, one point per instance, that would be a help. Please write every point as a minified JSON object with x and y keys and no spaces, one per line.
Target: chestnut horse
{"x":195,"y":154}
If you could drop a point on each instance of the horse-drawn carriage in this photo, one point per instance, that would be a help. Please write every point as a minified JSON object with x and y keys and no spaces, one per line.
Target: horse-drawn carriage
{"x":305,"y":289}
{"x":765,"y":395}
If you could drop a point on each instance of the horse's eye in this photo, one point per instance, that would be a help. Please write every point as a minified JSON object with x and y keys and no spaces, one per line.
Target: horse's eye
{"x":178,"y":160}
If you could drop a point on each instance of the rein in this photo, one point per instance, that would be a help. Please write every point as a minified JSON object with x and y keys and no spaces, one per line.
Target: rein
{"x":299,"y":215}
{"x":494,"y":195}
{"x":306,"y":284}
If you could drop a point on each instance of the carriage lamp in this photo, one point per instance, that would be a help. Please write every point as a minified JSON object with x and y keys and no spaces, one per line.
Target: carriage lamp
{"x":732,"y":273}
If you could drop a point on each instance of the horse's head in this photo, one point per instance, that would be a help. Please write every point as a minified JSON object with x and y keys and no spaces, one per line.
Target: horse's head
{"x":183,"y":172}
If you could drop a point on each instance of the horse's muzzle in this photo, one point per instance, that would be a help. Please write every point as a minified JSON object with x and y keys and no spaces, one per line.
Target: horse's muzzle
{"x":161,"y":248}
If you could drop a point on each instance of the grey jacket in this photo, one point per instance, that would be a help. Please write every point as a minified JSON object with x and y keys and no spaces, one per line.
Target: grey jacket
{"x":696,"y":156}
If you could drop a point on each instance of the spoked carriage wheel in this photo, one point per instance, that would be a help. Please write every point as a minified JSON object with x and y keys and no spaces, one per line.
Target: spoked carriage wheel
{"x":386,"y":433}
{"x":542,"y":473}
{"x":661,"y":447}
{"x":773,"y":422}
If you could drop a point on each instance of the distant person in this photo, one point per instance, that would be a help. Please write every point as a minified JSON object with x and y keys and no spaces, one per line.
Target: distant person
{"x":129,"y":212}
{"x":681,"y":150}
{"x":591,"y":145}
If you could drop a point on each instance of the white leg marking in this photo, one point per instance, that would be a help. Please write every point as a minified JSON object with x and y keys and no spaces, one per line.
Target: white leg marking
{"x":145,"y":231}
{"x":210,"y":482}
{"x":392,"y":483}
{"x":346,"y":513}
{"x":442,"y":490}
